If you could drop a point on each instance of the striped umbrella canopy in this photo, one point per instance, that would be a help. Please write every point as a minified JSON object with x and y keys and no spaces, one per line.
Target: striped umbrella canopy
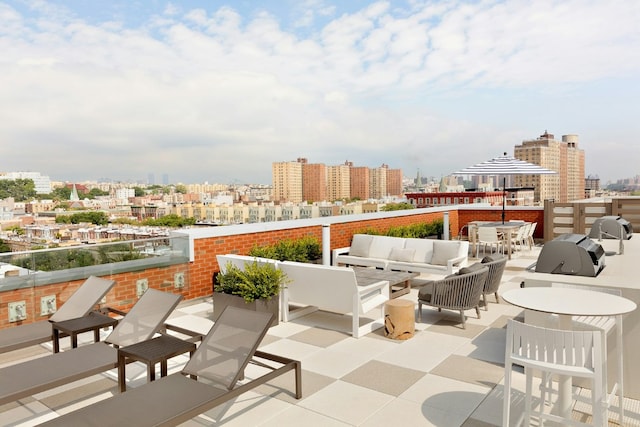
{"x":504,"y":165}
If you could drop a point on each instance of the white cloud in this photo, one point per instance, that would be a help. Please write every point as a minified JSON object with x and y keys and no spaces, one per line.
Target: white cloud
{"x":206,"y":95}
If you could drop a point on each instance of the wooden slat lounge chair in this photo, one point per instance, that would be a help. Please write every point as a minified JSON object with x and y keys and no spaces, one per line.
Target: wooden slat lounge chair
{"x":144,"y":319}
{"x":79,"y":304}
{"x":220,"y":359}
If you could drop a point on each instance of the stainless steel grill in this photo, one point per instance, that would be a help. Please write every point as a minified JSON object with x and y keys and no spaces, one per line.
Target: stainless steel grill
{"x":611,"y":227}
{"x":573,"y":254}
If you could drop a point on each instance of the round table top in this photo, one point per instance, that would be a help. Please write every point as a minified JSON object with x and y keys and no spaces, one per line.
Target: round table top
{"x":569,"y":301}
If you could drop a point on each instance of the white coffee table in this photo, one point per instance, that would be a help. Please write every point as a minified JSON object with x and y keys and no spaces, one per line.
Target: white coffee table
{"x":568,"y":302}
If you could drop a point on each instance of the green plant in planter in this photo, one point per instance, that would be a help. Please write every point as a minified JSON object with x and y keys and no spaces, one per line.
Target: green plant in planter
{"x":304,"y":249}
{"x":256,"y":281}
{"x":416,"y":231}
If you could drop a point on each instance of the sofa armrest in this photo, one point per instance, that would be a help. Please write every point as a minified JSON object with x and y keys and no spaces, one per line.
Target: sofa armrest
{"x":365,"y":289}
{"x":453,"y":261}
{"x":339,"y":251}
{"x":371,"y":296}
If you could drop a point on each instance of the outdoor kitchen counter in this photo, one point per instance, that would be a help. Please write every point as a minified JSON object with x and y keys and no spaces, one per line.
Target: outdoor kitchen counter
{"x":620,"y":272}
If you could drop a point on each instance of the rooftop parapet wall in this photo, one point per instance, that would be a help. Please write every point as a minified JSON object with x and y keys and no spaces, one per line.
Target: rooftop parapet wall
{"x":206,"y":242}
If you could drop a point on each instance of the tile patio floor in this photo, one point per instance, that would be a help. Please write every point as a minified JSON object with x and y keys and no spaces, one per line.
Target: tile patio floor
{"x":443,"y":376}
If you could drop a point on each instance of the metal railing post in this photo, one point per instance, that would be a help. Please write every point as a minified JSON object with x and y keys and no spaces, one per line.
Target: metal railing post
{"x":326,"y":244}
{"x":445,"y":232}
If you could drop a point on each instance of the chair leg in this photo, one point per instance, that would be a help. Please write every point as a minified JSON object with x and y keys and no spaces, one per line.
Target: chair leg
{"x":478,"y":311}
{"x":527,"y":396}
{"x":464,"y":325}
{"x":506,"y":404}
{"x":497,"y":299}
{"x":419,"y":311}
{"x":486,"y":303}
{"x":619,"y":367}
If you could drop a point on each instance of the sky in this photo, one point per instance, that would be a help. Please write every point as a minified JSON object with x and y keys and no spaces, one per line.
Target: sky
{"x":216,"y":91}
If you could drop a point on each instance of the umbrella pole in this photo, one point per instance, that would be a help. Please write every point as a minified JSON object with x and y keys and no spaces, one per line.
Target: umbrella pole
{"x":504,"y":196}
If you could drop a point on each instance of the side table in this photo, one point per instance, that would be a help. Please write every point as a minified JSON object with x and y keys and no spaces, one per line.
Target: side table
{"x":92,"y":322}
{"x":399,"y":319}
{"x":150,"y":352}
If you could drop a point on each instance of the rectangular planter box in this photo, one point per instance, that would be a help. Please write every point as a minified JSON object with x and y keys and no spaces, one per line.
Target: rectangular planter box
{"x":222,"y":300}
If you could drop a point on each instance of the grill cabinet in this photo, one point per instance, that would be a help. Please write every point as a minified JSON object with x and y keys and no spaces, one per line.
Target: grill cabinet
{"x":610,"y":227}
{"x":572,"y":254}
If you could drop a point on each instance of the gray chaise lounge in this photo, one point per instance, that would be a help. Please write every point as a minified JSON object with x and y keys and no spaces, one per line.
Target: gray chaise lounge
{"x":220,"y":359}
{"x":79,"y":304}
{"x":144,"y":319}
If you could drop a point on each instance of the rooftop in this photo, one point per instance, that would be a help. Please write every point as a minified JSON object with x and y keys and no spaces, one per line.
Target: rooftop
{"x":443,"y":376}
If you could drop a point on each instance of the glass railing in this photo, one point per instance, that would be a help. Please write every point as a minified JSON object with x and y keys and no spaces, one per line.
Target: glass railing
{"x":19,"y":270}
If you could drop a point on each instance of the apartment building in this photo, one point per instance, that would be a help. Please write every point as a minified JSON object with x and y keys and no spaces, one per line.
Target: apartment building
{"x":359,"y":182}
{"x":287,"y":181}
{"x":314,"y":181}
{"x":339,"y":182}
{"x":394,"y":182}
{"x":378,"y":182}
{"x":301,"y":180}
{"x":562,"y":156}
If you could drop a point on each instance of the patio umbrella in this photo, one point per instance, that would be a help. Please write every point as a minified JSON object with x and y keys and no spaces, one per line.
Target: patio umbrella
{"x":504,"y":165}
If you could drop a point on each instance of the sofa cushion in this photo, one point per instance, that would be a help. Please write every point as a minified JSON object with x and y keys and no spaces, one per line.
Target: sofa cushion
{"x":443,"y":251}
{"x":381,"y":246}
{"x":360,"y":245}
{"x":423,"y":249}
{"x":426,"y":291}
{"x":402,"y":254}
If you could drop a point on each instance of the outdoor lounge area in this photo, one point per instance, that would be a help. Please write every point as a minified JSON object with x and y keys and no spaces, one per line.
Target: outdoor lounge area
{"x":445,"y":375}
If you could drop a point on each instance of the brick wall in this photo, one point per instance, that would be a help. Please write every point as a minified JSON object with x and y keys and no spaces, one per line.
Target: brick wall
{"x":122,"y":296}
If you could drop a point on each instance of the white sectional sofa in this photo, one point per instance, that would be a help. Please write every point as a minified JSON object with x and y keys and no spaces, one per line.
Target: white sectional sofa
{"x":335,"y":289}
{"x":404,"y":254}
{"x":313,"y":287}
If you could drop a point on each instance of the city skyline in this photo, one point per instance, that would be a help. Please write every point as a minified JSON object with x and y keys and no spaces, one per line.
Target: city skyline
{"x":217,"y":92}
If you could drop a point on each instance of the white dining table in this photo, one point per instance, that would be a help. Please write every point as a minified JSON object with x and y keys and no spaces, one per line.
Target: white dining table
{"x":566,"y":303}
{"x":507,"y":228}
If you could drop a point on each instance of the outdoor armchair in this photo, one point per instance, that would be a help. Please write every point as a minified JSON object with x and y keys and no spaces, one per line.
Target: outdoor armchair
{"x":496,"y":265}
{"x":455,"y":292}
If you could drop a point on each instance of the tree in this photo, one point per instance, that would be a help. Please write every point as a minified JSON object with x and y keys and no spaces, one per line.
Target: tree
{"x":396,"y":206}
{"x":16,"y":229}
{"x":93,"y":217}
{"x":128,"y":221}
{"x":95,"y":192}
{"x":20,"y":189}
{"x":172,"y":220}
{"x":138,"y":192}
{"x":155,"y":189}
{"x":61,"y":193}
{"x":4,"y":247}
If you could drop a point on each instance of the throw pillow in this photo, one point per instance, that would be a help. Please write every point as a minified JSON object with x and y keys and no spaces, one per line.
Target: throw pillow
{"x":402,"y":254}
{"x":443,"y":251}
{"x":426,"y":291}
{"x":487,"y":259}
{"x":470,"y":269}
{"x":360,"y":245}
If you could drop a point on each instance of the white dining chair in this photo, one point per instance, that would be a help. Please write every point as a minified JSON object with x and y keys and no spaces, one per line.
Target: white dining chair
{"x":607,"y":325}
{"x":530,"y":240}
{"x":489,"y":236}
{"x":520,"y":238}
{"x":554,"y":352}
